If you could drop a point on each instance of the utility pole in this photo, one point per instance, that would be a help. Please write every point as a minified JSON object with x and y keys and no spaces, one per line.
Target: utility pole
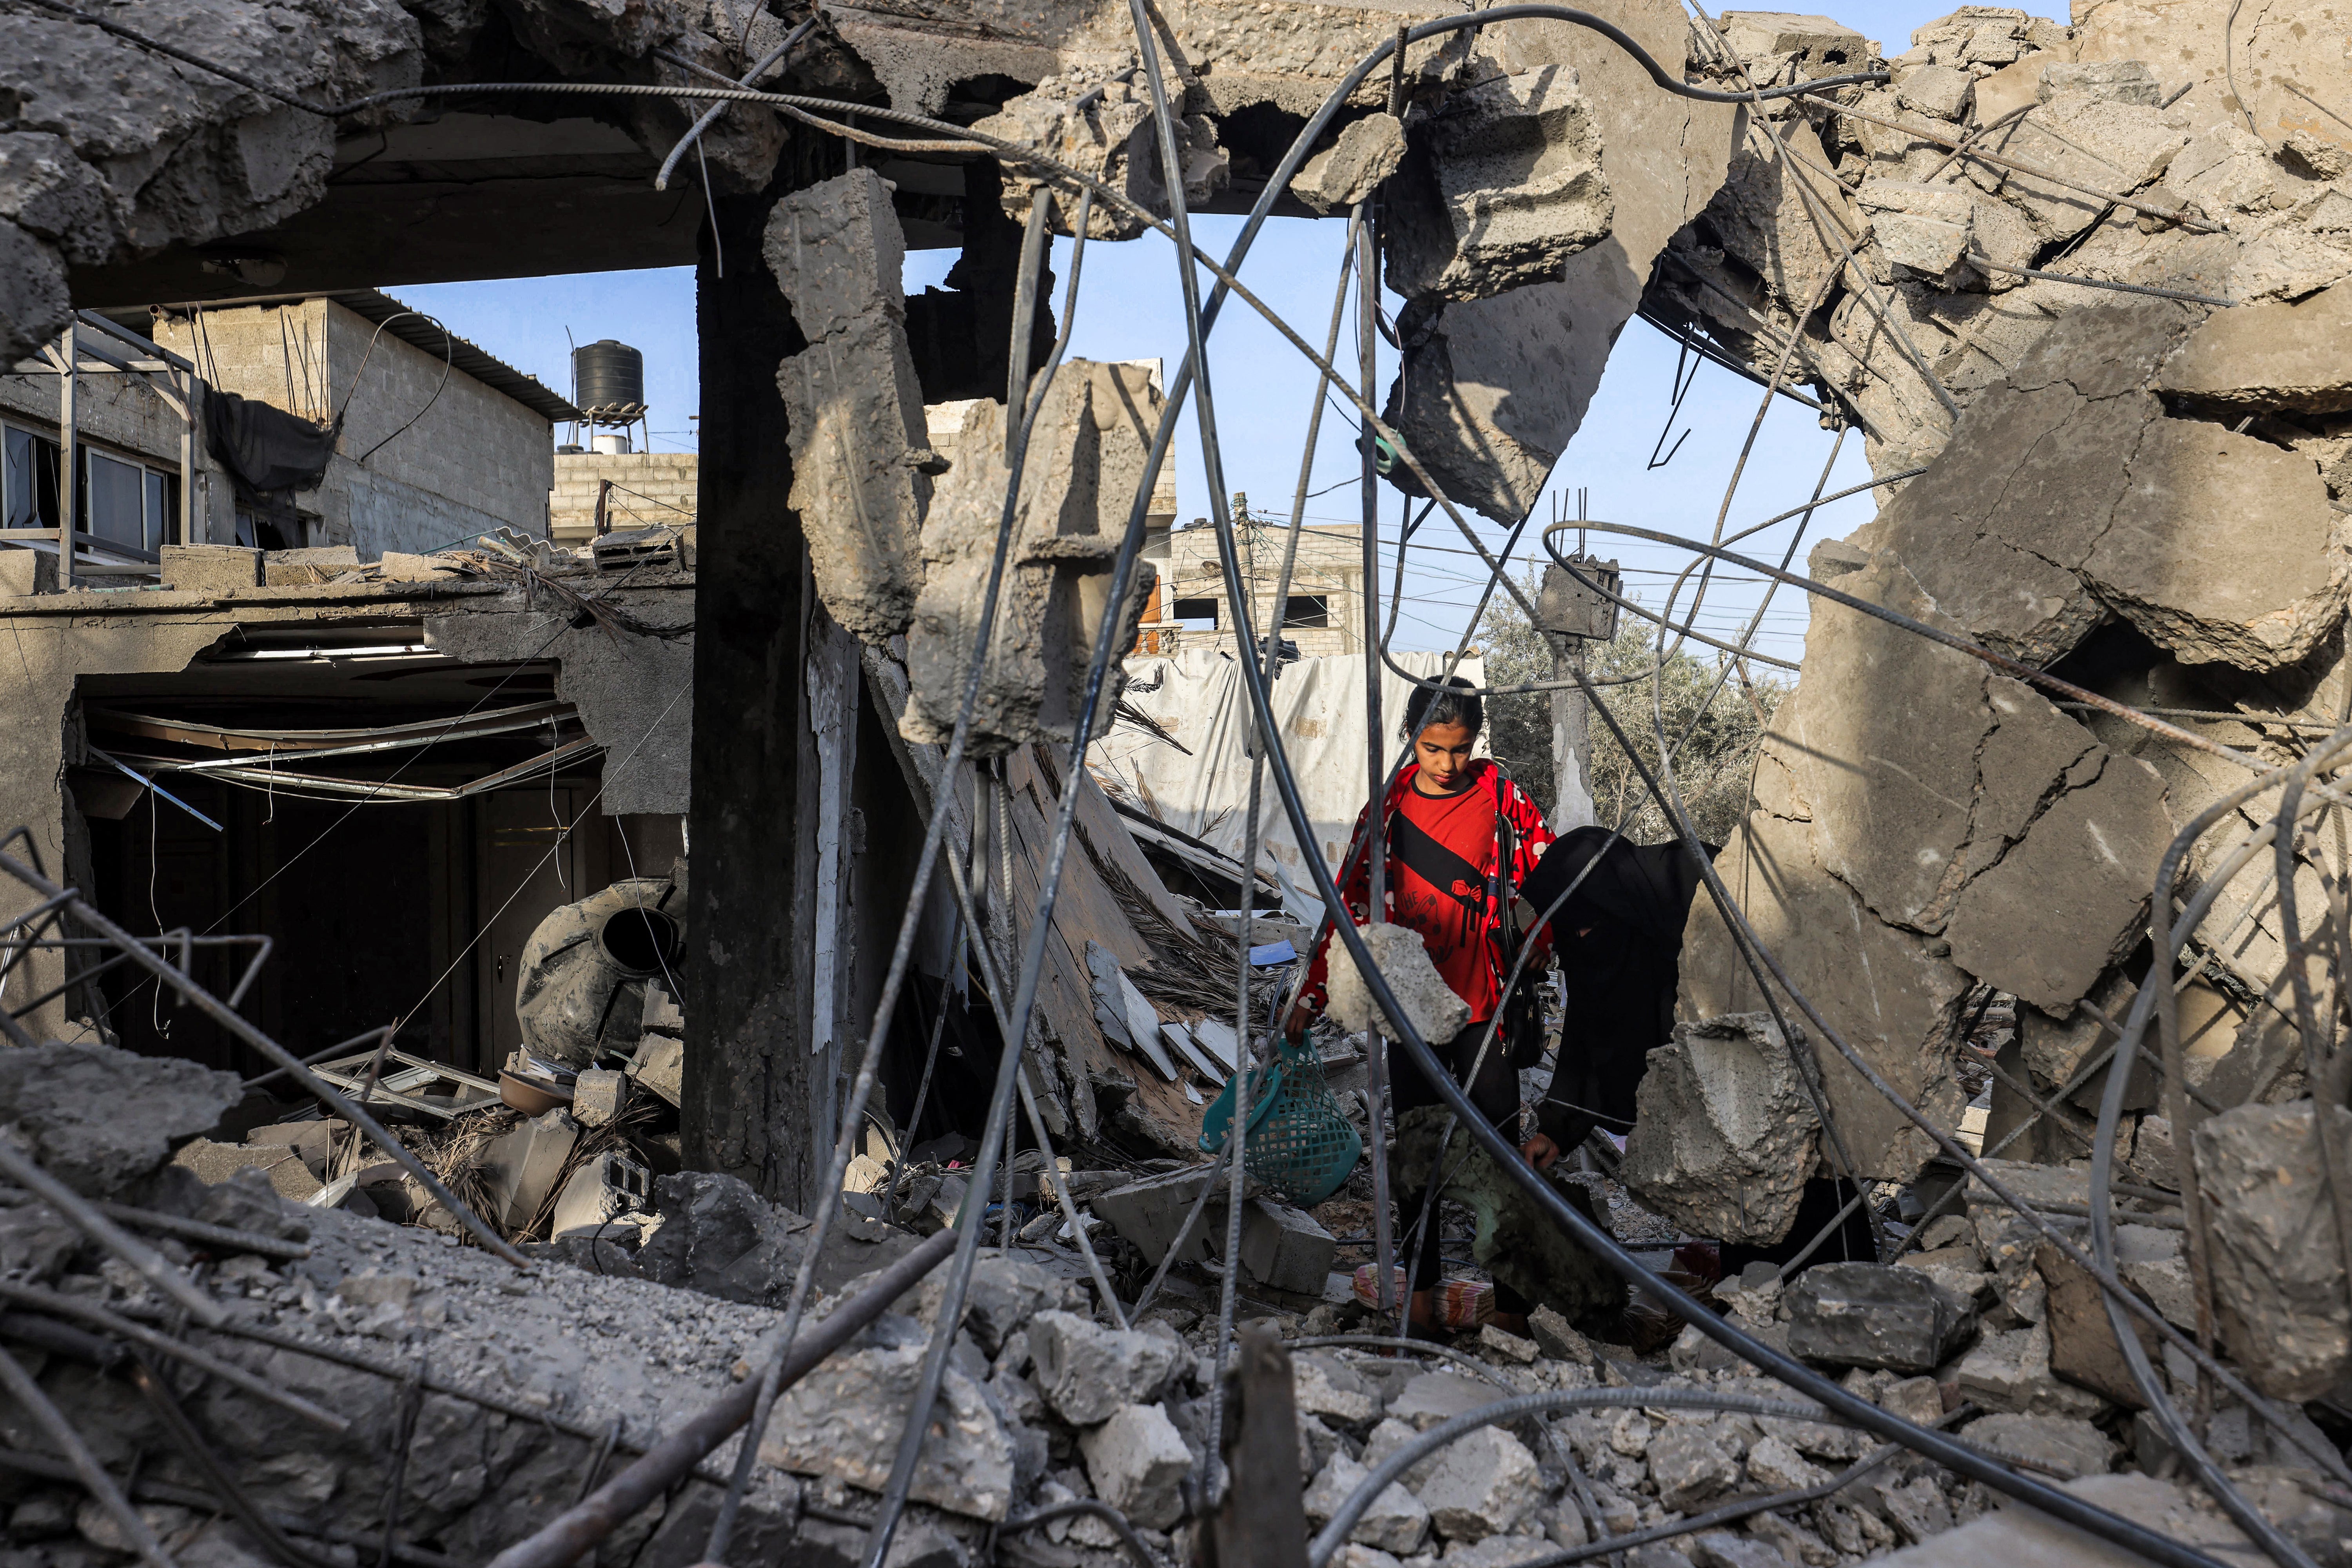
{"x":1572,"y":614}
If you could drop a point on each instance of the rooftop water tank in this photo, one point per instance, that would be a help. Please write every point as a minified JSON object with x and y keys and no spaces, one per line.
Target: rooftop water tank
{"x":609,"y":375}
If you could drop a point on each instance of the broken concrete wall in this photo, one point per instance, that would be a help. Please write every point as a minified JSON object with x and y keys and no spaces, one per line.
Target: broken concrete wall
{"x":1492,"y":389}
{"x":854,"y":406}
{"x":1948,"y":825}
{"x":2133,"y":100}
{"x":161,"y":154}
{"x":1079,"y":478}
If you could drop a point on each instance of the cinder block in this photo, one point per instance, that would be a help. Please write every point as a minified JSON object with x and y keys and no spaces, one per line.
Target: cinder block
{"x":522,"y":1166}
{"x":23,"y":572}
{"x":1284,"y":1247}
{"x":320,"y":564}
{"x":211,"y":568}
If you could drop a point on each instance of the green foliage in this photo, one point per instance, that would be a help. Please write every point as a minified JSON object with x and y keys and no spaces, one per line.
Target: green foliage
{"x":1713,"y":766}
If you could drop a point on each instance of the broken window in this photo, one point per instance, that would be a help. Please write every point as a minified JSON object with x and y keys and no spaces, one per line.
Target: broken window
{"x":28,"y":479}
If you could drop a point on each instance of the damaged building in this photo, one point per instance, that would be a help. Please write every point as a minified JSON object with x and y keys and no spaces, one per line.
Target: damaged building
{"x":569,"y":1003}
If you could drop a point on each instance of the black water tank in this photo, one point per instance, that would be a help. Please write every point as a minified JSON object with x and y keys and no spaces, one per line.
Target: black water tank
{"x":608,"y":372}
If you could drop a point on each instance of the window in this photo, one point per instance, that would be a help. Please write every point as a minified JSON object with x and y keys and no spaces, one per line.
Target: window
{"x":1194,"y":612}
{"x":116,"y":509}
{"x":126,"y":502}
{"x":28,"y":480}
{"x":1306,"y":610}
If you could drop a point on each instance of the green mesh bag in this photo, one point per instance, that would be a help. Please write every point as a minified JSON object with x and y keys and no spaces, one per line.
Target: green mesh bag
{"x":1299,"y":1144}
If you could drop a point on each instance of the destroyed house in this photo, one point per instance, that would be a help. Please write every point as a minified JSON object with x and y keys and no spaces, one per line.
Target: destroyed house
{"x":1950,"y":1164}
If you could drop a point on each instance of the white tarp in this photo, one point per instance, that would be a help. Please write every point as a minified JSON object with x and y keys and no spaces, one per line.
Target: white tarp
{"x":1196,"y":696}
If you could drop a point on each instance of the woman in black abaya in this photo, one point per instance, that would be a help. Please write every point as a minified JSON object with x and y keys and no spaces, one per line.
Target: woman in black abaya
{"x":1618,"y":934}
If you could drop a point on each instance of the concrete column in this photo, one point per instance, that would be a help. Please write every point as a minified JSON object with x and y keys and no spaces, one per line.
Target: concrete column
{"x":754,"y":1092}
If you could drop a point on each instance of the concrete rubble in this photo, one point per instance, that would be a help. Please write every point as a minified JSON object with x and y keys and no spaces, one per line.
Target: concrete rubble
{"x":2141,"y":489}
{"x":1085,"y":461}
{"x":1725,"y":1135}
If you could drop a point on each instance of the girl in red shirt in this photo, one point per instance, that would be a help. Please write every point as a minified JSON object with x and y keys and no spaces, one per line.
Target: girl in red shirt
{"x":1461,"y":837}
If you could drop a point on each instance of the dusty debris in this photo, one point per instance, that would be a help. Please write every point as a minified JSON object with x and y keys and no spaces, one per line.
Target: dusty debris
{"x":1725,"y":1136}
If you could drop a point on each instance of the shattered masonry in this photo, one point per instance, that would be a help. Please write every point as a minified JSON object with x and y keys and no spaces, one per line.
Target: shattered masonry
{"x":2083,"y":288}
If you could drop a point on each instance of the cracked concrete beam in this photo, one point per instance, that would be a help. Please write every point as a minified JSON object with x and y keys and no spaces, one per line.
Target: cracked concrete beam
{"x":855,"y":408}
{"x":1084,"y":460}
{"x":1491,"y":389}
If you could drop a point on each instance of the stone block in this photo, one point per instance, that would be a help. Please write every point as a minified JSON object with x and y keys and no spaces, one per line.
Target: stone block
{"x":1137,"y":1462}
{"x":1774,"y":1466}
{"x":394,"y":567}
{"x":1087,"y":1371}
{"x":1396,"y":1521}
{"x":99,"y":1118}
{"x":2269,"y":356}
{"x":1927,"y":228}
{"x":1499,"y":1551}
{"x":1006,"y":1292}
{"x":1433,"y":1398}
{"x":1557,"y":1339}
{"x":1940,"y":90}
{"x":2009,"y":1370}
{"x":599,"y":1096}
{"x":2021,"y":1538}
{"x":520,"y":1168}
{"x":2062,"y":1443}
{"x":1861,"y":1314}
{"x":2117,"y":81}
{"x":313,"y":1141}
{"x":1507,"y":1346}
{"x":280,"y":1166}
{"x":843,"y":1420}
{"x":1148,"y":1213}
{"x":596,"y":1197}
{"x":1430,"y":1005}
{"x":1285,"y":1248}
{"x":1085,"y":457}
{"x":1365,"y":153}
{"x":24,"y":571}
{"x":1724,"y":1133}
{"x":1481,"y":1486}
{"x":2279,"y":1287}
{"x":854,"y":406}
{"x":1323,"y":1384}
{"x":316,"y":563}
{"x":1721,"y":1549}
{"x":1690,"y":1467}
{"x":210,"y":568}
{"x":1917,"y":1400}
{"x":1510,"y":186}
{"x":660,"y":1065}
{"x":2084,"y":1349}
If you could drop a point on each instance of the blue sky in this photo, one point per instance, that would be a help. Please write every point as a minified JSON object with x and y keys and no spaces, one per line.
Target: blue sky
{"x":1129,"y":308}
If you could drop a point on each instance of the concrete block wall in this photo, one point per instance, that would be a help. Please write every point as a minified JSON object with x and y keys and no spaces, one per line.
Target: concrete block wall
{"x":648,"y":488}
{"x":475,"y":452}
{"x":1331,"y":563}
{"x":474,"y":460}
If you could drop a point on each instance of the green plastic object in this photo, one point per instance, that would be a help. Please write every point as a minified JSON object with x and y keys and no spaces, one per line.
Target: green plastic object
{"x":1298,"y":1143}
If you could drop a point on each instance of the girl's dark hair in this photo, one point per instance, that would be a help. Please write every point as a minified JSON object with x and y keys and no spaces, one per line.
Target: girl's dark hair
{"x":1458,"y":703}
